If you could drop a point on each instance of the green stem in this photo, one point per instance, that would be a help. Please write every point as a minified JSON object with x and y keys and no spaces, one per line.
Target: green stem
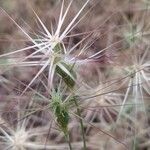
{"x":81,"y":124}
{"x":67,"y":136}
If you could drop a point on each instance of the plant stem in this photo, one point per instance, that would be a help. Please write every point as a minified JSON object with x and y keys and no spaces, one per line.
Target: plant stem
{"x":81,"y":124}
{"x":67,"y":136}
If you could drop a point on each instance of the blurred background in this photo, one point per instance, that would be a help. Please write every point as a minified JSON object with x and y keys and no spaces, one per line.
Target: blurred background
{"x":122,"y":27}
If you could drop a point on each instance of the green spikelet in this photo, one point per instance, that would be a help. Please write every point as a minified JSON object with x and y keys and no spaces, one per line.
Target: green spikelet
{"x":60,"y":111}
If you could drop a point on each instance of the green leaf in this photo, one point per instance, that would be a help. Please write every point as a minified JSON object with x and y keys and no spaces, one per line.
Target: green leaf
{"x":67,"y":74}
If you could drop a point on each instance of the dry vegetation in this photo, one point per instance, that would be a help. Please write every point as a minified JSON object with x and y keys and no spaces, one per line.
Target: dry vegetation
{"x":78,"y":83}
